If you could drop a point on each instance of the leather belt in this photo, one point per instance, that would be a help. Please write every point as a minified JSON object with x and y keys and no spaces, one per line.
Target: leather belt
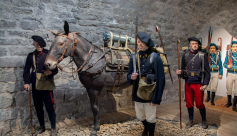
{"x":231,"y":70}
{"x":214,"y":70}
{"x":193,"y":73}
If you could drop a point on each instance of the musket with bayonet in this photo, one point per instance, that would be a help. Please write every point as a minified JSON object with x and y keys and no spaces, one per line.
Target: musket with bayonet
{"x":157,"y":29}
{"x":134,"y":57}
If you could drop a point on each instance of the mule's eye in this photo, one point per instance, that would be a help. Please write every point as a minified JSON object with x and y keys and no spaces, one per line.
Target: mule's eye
{"x":61,"y":44}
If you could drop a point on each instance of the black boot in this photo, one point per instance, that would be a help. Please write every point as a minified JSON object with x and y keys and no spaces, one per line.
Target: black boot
{"x":208,"y":96}
{"x":203,"y":114}
{"x":151,"y":128}
{"x":212,"y":98}
{"x":190,"y":114}
{"x":40,"y":130}
{"x":234,"y":103}
{"x":145,"y":131}
{"x":228,"y":101}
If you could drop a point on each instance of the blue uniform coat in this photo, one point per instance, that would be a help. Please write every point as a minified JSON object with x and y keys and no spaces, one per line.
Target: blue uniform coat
{"x":146,"y":69}
{"x":215,"y":63}
{"x":234,"y":55}
{"x":195,"y":66}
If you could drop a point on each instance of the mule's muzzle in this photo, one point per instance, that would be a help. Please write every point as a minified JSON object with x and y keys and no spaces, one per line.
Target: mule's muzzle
{"x":50,"y":63}
{"x":50,"y":66}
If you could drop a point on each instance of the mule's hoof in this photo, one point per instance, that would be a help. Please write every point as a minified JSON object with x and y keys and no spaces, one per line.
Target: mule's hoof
{"x":93,"y":133}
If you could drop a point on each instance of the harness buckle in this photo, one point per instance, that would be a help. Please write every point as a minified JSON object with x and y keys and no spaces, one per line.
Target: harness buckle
{"x":192,"y":74}
{"x":90,"y":65}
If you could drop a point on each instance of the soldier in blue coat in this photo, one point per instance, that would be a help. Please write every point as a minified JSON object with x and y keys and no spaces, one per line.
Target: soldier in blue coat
{"x":146,"y":110}
{"x":231,"y":75}
{"x":40,"y":96}
{"x":196,"y":72}
{"x":216,"y":70}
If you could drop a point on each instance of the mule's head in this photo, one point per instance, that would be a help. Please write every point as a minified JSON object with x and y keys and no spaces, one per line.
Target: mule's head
{"x":61,"y":47}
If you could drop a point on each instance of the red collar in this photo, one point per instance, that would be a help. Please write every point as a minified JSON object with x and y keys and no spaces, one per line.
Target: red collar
{"x":194,"y":51}
{"x":38,"y":53}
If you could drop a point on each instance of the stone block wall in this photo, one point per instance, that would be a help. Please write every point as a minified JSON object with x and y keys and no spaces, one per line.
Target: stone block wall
{"x":20,"y":19}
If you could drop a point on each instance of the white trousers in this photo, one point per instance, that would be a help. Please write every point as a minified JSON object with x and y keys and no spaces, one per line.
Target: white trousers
{"x":231,"y":79}
{"x":144,"y":111}
{"x":212,"y":86}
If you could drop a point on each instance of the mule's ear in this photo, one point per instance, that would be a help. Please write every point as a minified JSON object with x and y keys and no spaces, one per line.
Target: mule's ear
{"x":53,"y":32}
{"x":66,"y":27}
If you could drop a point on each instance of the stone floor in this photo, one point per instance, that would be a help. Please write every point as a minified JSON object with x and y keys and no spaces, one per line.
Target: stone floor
{"x":131,"y":127}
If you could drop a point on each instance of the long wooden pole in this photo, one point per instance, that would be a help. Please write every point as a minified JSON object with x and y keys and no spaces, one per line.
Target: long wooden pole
{"x":157,"y":29}
{"x":30,"y":112}
{"x":179,"y":86}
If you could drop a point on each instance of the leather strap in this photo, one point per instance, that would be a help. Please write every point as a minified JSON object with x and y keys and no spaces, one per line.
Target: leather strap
{"x":74,"y":44}
{"x":191,"y":60}
{"x":95,"y":61}
{"x":62,"y":57}
{"x":118,"y":41}
{"x":34,"y":62}
{"x":81,"y":65}
{"x":121,"y":75}
{"x":72,"y":52}
{"x":117,"y":75}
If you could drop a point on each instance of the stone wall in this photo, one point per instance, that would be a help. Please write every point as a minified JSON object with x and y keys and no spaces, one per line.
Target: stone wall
{"x":20,"y":19}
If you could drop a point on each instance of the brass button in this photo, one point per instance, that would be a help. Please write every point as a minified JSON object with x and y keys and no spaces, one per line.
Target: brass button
{"x":193,"y":60}
{"x":143,"y":65}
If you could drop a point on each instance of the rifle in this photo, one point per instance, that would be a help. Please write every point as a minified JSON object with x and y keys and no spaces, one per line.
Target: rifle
{"x":219,"y":47}
{"x":230,"y":55}
{"x":179,"y":85}
{"x":157,"y":30}
{"x":201,"y":40}
{"x":134,"y":59}
{"x":208,"y":44}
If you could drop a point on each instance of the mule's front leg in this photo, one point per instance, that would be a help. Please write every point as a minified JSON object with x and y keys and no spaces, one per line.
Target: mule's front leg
{"x":94,"y":96}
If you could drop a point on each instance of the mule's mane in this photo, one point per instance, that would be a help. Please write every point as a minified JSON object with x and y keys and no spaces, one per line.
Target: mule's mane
{"x":78,"y":34}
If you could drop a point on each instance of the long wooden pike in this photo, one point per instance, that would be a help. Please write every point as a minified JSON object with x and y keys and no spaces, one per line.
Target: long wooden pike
{"x":30,"y":112}
{"x":179,"y":86}
{"x":157,"y":30}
